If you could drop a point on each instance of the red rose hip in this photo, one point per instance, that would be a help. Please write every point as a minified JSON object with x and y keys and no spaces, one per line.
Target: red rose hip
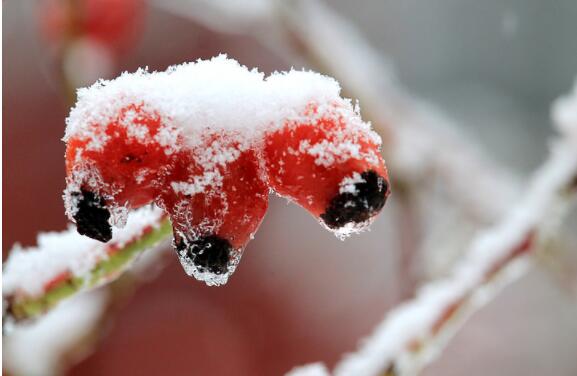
{"x":114,"y":167}
{"x":329,"y":163}
{"x":215,"y":206}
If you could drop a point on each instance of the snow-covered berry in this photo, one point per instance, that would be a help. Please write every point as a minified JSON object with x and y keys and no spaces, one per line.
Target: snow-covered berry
{"x":327,"y":160}
{"x":206,"y":142}
{"x":119,"y":164}
{"x":215,"y":206}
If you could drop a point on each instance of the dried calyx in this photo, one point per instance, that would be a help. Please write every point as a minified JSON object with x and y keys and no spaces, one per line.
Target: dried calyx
{"x":367,"y":198}
{"x":92,"y":216}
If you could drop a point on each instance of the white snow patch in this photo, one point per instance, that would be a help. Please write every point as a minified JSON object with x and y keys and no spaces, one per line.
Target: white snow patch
{"x":565,"y":113}
{"x":314,"y":369}
{"x":348,"y":184}
{"x":36,"y":349}
{"x":199,"y":183}
{"x":28,"y":269}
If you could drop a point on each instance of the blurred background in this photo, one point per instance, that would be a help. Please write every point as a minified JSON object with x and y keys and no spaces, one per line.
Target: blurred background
{"x":300,"y":295}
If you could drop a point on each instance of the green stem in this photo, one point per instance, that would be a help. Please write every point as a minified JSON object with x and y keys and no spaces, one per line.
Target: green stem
{"x":23,"y":308}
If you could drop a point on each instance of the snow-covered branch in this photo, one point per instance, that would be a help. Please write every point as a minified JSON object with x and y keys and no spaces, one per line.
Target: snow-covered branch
{"x":56,"y":338}
{"x":411,"y":335}
{"x":65,"y":263}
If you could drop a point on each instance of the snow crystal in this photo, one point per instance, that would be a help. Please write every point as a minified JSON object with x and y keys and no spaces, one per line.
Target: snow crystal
{"x":327,"y":153}
{"x":218,"y":95}
{"x":349,"y":229}
{"x":348,"y":184}
{"x":199,"y":183}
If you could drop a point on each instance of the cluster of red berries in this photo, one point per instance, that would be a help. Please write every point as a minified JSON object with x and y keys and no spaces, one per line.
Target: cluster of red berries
{"x":215,"y":187}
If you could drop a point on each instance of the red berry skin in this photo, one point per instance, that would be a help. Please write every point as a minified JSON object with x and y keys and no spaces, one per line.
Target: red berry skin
{"x":309,"y":160}
{"x":223,"y":217}
{"x":130,"y":167}
{"x":114,"y":23}
{"x":214,"y":191}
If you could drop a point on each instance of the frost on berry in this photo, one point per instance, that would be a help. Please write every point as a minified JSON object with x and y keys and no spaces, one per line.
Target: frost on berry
{"x":328,"y":161}
{"x":206,"y":142}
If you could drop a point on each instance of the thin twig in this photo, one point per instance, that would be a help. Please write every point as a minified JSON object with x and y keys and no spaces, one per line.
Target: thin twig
{"x":30,"y":291}
{"x":412,"y":335}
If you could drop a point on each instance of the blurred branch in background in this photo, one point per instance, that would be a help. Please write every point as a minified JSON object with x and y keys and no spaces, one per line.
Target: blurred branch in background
{"x":57,"y":339}
{"x":413,"y":334}
{"x":409,"y":229}
{"x":420,"y":144}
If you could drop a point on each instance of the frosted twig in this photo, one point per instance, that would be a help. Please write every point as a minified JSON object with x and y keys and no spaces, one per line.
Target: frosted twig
{"x":411,"y":335}
{"x":46,"y":346}
{"x":65,"y":263}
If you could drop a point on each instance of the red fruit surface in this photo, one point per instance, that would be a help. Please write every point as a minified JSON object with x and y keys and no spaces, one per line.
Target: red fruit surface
{"x":210,"y":185}
{"x":306,"y":161}
{"x":130,"y":167}
{"x":231,"y":208}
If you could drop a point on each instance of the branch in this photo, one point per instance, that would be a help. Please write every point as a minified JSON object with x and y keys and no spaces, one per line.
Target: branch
{"x":64,"y":264}
{"x":62,"y":336}
{"x":411,"y":335}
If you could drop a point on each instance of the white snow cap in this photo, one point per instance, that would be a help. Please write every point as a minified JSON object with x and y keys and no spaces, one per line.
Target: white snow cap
{"x":218,"y":93}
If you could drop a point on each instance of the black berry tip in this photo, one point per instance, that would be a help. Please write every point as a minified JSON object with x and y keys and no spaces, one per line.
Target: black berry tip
{"x":366,"y":200}
{"x":92,"y":216}
{"x":209,"y":253}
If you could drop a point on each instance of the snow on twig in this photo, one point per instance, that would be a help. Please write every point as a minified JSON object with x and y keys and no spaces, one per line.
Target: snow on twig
{"x":412,"y":334}
{"x":55,"y":336}
{"x":35,"y":279}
